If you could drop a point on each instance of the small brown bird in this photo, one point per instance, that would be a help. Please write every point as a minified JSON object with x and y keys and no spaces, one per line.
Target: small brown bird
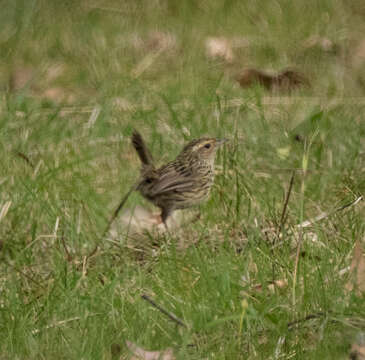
{"x":181,"y":183}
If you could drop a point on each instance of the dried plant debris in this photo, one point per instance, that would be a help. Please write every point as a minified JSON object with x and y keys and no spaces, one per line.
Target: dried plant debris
{"x":142,"y":354}
{"x":325,"y":215}
{"x":54,"y":71}
{"x":285,"y":80}
{"x":272,"y":285}
{"x":357,"y":271}
{"x":4,"y":209}
{"x":321,"y":43}
{"x":219,"y":47}
{"x":222,"y":48}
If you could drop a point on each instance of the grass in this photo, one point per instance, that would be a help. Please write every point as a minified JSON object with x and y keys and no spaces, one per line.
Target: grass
{"x":66,"y":162}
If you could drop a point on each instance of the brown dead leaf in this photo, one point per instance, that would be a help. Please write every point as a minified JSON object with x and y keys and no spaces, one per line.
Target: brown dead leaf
{"x":141,"y":354}
{"x":358,"y":348}
{"x":285,"y":80}
{"x":219,"y":47}
{"x":357,"y":270}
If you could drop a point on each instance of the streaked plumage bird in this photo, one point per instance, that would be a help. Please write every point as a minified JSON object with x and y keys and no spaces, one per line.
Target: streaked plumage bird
{"x":181,"y":183}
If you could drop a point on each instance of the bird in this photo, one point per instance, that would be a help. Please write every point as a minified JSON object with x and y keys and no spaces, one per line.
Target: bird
{"x":181,"y":183}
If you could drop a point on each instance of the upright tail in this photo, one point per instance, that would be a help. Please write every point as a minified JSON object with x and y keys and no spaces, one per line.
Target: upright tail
{"x":142,"y":150}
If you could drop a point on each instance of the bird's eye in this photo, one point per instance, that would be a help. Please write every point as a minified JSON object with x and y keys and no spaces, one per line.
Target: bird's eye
{"x":148,"y":180}
{"x":207,"y":146}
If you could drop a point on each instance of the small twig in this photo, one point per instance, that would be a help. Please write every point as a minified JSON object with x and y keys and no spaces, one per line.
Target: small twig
{"x":296,"y":264}
{"x":170,"y":315}
{"x":319,"y":217}
{"x":117,"y":210}
{"x":308,"y":317}
{"x":93,"y":117}
{"x":86,"y":258}
{"x":25,"y":158}
{"x":282,"y":220}
{"x":285,"y":206}
{"x":84,"y":264}
{"x":93,"y":252}
{"x":69,"y":257}
{"x":25,"y":275}
{"x":352,"y":203}
{"x":324,"y":215}
{"x":60,"y":323}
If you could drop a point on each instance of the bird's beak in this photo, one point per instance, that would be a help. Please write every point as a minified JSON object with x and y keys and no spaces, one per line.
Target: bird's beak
{"x":220,"y":142}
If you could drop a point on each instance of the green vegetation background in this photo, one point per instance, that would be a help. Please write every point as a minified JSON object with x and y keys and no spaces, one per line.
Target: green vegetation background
{"x":76,"y":77}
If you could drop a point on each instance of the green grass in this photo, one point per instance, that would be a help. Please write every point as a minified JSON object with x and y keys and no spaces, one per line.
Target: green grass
{"x":78,"y":170}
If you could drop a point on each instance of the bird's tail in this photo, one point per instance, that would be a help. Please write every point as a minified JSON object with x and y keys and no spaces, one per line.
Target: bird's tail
{"x":142,"y":150}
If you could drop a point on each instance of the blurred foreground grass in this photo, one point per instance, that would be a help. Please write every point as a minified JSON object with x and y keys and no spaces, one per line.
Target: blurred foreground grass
{"x":77,"y":77}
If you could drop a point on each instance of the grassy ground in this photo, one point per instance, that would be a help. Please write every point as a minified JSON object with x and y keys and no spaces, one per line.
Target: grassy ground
{"x":76,"y":78}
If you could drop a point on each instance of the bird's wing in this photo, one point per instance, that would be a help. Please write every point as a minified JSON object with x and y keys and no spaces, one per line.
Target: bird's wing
{"x":176,"y":185}
{"x":171,"y":180}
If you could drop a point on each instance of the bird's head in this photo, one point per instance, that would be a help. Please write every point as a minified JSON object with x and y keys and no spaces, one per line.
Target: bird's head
{"x":203,"y":149}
